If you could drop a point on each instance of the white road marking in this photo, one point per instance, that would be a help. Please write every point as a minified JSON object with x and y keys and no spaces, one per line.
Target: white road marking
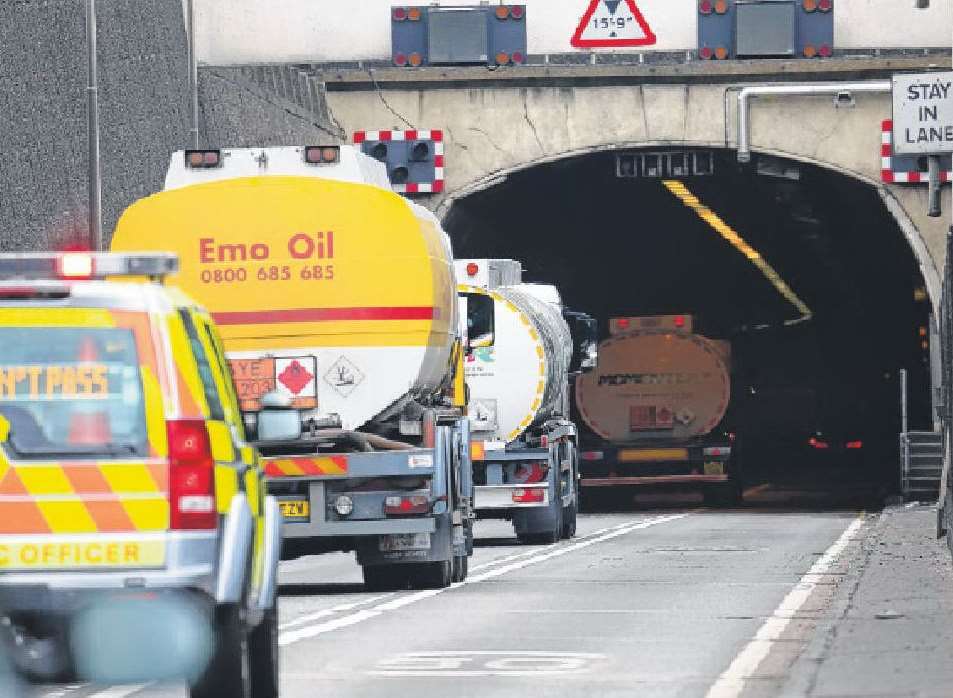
{"x":120,"y":691}
{"x":342,"y":608}
{"x":291,"y":636}
{"x":732,"y":682}
{"x":486,"y":663}
{"x":535,"y":551}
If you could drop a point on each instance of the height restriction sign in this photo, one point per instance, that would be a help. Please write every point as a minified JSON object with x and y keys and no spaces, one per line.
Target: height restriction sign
{"x":612,"y":24}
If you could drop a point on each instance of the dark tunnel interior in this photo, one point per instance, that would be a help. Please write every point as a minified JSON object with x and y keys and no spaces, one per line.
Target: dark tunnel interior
{"x":623,"y":246}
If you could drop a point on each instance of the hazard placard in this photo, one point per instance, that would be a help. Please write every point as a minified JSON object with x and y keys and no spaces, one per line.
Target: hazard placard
{"x":611,"y":24}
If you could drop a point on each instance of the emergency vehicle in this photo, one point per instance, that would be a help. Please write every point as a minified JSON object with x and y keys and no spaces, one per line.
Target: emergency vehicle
{"x":337,"y":304}
{"x":125,"y":480}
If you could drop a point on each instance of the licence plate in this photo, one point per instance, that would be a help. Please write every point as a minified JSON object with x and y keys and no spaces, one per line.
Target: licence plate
{"x":714,"y":468}
{"x":405,"y":541}
{"x":295,"y":509}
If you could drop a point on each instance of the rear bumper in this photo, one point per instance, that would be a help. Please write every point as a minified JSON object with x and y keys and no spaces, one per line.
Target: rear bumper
{"x":500,"y":497}
{"x":651,"y":480}
{"x":190,"y":565}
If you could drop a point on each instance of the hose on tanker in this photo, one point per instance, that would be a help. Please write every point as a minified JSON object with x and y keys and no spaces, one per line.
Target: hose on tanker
{"x":362,"y":440}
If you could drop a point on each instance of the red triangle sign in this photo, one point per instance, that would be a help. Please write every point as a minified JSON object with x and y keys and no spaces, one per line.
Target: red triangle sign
{"x":613,"y":24}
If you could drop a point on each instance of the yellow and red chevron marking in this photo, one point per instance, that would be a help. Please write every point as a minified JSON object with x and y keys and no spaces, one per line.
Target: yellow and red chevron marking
{"x":331,"y":466}
{"x":83,"y":497}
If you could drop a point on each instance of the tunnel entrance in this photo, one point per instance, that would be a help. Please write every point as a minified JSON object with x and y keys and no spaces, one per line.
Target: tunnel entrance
{"x":816,"y":364}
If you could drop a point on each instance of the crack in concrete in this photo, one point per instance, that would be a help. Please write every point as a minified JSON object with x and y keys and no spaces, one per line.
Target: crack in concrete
{"x":531,"y":124}
{"x":488,"y":139}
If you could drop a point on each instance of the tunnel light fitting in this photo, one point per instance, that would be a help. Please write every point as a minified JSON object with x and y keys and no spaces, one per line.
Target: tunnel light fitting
{"x":715,"y":222}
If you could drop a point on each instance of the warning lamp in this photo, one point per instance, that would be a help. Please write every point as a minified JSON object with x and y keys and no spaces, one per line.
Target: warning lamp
{"x":518,"y":57}
{"x":679,"y":321}
{"x":809,"y":5}
{"x":502,"y":12}
{"x":203,"y":159}
{"x":721,"y":53}
{"x":706,"y":52}
{"x":825,"y":51}
{"x":502,"y":58}
{"x":399,"y":175}
{"x":473,"y":269}
{"x":517,"y":12}
{"x":416,"y":60}
{"x":721,"y":7}
{"x":810,"y":51}
{"x":413,"y":14}
{"x":400,"y":14}
{"x":705,"y":7}
{"x":825,"y":5}
{"x":400,"y":60}
{"x":379,"y":152}
{"x":420,"y":151}
{"x":322,"y":154}
{"x":74,"y":265}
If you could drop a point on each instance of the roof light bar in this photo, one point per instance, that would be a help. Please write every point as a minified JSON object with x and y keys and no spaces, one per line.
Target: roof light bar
{"x":719,"y":226}
{"x":86,"y":265}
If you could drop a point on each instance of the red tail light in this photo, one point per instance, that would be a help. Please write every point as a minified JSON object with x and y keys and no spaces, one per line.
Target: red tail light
{"x":191,"y":476}
{"x":531,"y":472}
{"x":591,"y":455}
{"x":853,"y":445}
{"x":817,"y":443}
{"x":410,"y":504}
{"x":75,"y":265}
{"x":529,"y":496}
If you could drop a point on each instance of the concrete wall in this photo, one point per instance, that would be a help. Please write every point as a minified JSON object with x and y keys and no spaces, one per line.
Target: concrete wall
{"x":231,"y":32}
{"x":144,"y":104}
{"x":493,"y":131}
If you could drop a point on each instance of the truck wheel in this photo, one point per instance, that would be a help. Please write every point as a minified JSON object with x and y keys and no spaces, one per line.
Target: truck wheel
{"x":263,"y":646}
{"x":229,"y":673}
{"x":722,"y":495}
{"x":432,"y":575}
{"x":461,"y":565}
{"x":569,"y":520}
{"x":383,"y":577}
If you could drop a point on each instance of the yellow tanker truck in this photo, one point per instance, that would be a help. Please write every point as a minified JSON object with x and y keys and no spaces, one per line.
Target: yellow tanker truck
{"x":336,"y":300}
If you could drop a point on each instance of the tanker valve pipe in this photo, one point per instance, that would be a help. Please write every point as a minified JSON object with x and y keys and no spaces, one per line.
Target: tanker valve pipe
{"x":842,"y":91}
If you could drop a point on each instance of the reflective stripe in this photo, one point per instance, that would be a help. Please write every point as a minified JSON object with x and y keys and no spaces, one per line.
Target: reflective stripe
{"x":290,"y":467}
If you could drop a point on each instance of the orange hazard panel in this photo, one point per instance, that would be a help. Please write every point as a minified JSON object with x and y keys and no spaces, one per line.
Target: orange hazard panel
{"x":329,"y":466}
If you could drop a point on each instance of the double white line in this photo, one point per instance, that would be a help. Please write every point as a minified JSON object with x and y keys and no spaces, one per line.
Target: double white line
{"x":497,"y":568}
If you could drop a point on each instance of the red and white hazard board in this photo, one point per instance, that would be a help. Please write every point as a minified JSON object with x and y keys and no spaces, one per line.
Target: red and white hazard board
{"x":613,"y":24}
{"x":904,"y":169}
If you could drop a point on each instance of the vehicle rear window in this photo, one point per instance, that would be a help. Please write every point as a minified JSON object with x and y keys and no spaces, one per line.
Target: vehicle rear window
{"x":72,"y":392}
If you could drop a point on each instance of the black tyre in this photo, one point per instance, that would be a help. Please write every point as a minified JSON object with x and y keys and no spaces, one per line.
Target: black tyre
{"x":432,"y":575}
{"x":229,"y":673}
{"x":461,"y":566}
{"x":570,"y":514}
{"x":723,"y":495}
{"x":383,"y":577}
{"x":263,"y":648}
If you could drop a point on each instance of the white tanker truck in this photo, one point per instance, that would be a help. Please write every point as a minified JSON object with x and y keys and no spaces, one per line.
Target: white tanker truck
{"x":520,"y":356}
{"x":656,"y":409}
